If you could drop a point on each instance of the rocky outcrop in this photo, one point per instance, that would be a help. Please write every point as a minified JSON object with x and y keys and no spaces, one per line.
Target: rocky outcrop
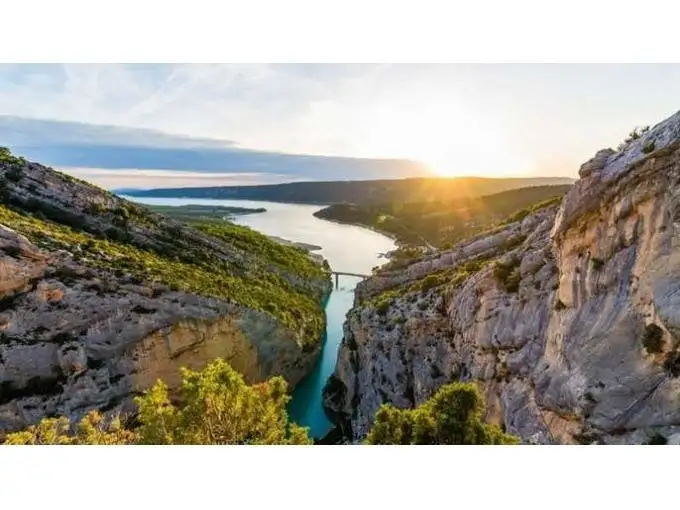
{"x":77,"y":335}
{"x":568,"y":320}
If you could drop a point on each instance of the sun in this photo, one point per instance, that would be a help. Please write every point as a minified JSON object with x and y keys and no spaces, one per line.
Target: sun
{"x":448,"y":139}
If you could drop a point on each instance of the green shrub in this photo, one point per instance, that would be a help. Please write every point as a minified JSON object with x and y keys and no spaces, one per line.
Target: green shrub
{"x":513,"y":242}
{"x":507,"y":274}
{"x":431,"y":281}
{"x":597,"y":263}
{"x":518,"y":216}
{"x":653,"y":338}
{"x":216,"y":407}
{"x":96,"y":209}
{"x":649,"y":147}
{"x":657,"y":439}
{"x":473,"y":266}
{"x":14,"y":174}
{"x":632,"y":136}
{"x":453,"y":415}
{"x":254,"y":285}
{"x":383,"y":306}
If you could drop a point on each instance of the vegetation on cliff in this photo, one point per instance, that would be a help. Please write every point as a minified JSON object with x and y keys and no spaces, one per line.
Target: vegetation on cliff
{"x":214,"y":407}
{"x":362,"y":192}
{"x":192,"y":212}
{"x":453,"y":415}
{"x":256,"y":288}
{"x":445,"y":222}
{"x":209,"y":257}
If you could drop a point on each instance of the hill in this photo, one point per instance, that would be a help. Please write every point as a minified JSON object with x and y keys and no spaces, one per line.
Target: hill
{"x":441,"y":223}
{"x":100,"y":297}
{"x":566,"y":321}
{"x":417,"y":189}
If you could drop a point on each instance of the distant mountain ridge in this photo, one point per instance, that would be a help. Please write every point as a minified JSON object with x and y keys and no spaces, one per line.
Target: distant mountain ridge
{"x":416,"y":189}
{"x":75,"y":144}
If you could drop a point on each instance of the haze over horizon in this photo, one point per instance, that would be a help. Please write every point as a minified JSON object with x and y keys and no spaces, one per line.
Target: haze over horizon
{"x":202,"y":125}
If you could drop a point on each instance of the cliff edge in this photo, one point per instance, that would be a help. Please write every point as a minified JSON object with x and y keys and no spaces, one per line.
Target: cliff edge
{"x":100,"y":297}
{"x":568,"y":320}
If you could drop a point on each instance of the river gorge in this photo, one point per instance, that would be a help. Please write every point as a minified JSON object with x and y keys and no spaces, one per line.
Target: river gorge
{"x":347,"y":248}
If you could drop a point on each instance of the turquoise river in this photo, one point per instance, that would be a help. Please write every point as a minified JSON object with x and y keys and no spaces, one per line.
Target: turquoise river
{"x":347,"y":248}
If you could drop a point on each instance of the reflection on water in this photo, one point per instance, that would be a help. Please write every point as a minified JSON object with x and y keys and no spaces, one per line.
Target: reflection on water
{"x":347,"y":248}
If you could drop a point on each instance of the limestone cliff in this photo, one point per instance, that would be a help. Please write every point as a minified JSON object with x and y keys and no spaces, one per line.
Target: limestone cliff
{"x":568,"y":320}
{"x":100,"y":297}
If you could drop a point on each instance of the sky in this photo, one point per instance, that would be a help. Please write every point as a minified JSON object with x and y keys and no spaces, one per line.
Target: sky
{"x":457,"y":119}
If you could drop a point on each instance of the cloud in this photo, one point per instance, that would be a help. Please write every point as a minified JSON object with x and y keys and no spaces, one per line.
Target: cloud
{"x":18,"y":131}
{"x":124,"y":152}
{"x":546,"y":117}
{"x":142,"y":179}
{"x":259,"y":105}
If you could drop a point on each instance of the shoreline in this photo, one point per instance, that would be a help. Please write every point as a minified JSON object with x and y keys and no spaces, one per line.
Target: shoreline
{"x":367,"y":227}
{"x":305,"y":246}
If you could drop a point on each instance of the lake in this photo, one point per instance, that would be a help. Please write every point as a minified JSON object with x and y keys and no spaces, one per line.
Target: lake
{"x":346,"y":247}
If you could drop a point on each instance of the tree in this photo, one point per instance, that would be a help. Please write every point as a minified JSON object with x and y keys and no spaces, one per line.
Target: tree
{"x":91,"y":430}
{"x":218,"y":407}
{"x":215,"y":406}
{"x":453,"y":415}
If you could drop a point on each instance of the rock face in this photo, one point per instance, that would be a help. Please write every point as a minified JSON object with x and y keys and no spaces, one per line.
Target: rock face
{"x":76,"y":335}
{"x":571,"y":327}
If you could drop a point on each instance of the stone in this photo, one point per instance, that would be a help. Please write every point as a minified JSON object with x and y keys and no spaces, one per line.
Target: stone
{"x":597,"y":163}
{"x":561,"y":360}
{"x":75,"y":337}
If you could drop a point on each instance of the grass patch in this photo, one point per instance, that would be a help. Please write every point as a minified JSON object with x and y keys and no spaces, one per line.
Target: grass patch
{"x":523,"y":213}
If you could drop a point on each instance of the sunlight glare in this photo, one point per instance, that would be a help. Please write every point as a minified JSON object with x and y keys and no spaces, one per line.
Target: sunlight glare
{"x":440,"y":134}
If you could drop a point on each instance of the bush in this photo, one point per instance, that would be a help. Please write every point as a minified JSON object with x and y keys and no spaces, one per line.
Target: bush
{"x":518,"y":216}
{"x":653,"y":339}
{"x":672,"y":364}
{"x":508,"y":274}
{"x":96,"y":208}
{"x":14,"y":174}
{"x":657,"y":439}
{"x":597,"y":263}
{"x":473,"y":266}
{"x":431,"y":281}
{"x":92,"y":430}
{"x":454,"y":415}
{"x":216,"y":408}
{"x":382,"y":306}
{"x":649,"y":147}
{"x":632,"y":136}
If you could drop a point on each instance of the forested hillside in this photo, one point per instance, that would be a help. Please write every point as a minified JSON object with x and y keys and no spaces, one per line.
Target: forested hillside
{"x":443,"y":222}
{"x":360,"y":192}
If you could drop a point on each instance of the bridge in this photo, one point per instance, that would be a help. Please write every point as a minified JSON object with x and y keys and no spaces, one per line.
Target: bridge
{"x":344,"y":273}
